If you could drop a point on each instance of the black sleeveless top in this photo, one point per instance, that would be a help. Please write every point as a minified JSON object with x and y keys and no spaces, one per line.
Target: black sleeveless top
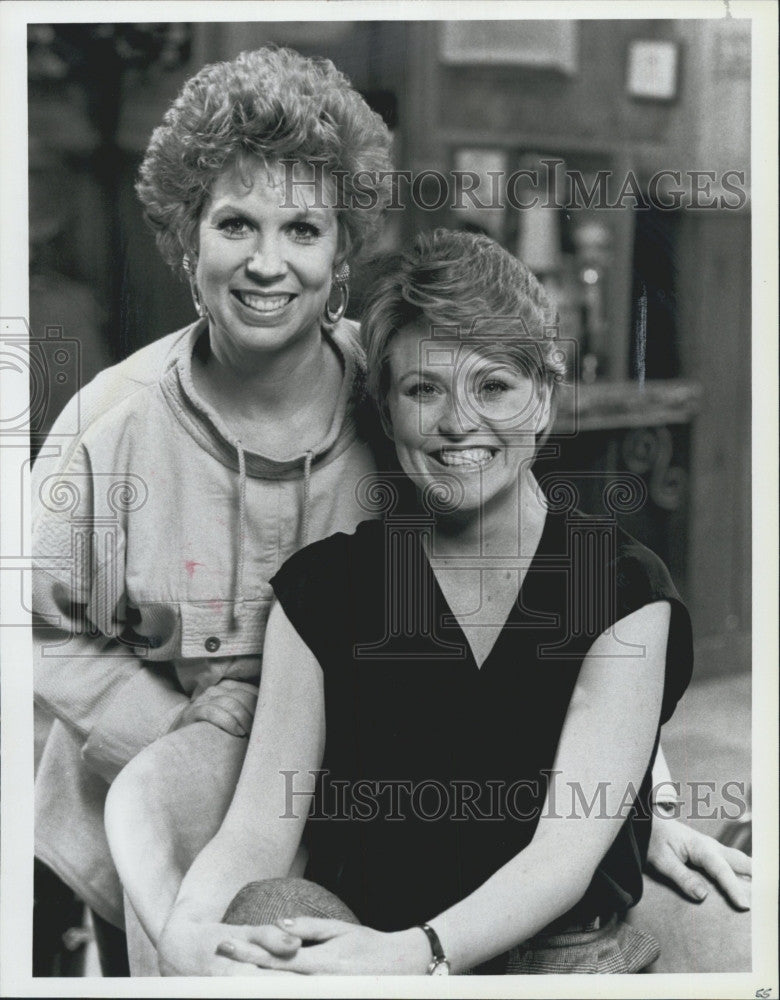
{"x":435,"y":771}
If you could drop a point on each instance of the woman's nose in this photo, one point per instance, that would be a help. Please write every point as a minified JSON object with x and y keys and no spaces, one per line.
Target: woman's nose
{"x":454,"y":419}
{"x":267,"y":262}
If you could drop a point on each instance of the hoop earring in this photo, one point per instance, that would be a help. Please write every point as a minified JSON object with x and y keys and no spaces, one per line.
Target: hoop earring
{"x":189,"y":270}
{"x":200,"y":308}
{"x":340,"y":279}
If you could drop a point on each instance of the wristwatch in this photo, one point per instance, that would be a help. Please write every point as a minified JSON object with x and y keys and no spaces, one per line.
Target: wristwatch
{"x":439,"y":966}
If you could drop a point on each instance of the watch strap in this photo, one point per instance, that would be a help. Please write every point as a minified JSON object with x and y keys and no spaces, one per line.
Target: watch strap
{"x":435,"y":943}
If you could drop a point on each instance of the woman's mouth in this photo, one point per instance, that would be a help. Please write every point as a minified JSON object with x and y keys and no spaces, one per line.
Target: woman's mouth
{"x":472,"y":458}
{"x":265,"y":305}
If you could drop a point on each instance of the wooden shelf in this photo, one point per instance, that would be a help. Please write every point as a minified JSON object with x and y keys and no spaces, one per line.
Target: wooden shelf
{"x":616,"y":405}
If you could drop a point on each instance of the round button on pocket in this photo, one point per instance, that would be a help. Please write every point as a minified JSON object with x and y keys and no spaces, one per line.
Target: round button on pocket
{"x":212,"y":644}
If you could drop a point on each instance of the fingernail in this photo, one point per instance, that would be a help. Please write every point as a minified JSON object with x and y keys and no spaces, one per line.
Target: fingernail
{"x":287,"y":921}
{"x":289,"y":939}
{"x":226,"y":949}
{"x":700,"y":892}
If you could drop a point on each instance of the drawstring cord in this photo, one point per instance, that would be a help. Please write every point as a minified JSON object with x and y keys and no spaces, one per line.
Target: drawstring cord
{"x":306,"y":497}
{"x":242,"y":527}
{"x":238,"y":595}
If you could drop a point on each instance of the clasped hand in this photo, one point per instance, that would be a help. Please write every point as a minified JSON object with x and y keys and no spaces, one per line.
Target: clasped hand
{"x":318,"y":946}
{"x":301,"y":945}
{"x":229,"y":705}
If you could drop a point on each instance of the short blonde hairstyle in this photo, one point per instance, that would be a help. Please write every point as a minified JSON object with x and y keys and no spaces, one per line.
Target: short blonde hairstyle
{"x":469,"y":283}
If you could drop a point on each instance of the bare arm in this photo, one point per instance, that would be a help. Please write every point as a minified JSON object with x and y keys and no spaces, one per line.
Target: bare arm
{"x":607,"y":737}
{"x":607,"y":740}
{"x":261,"y":832}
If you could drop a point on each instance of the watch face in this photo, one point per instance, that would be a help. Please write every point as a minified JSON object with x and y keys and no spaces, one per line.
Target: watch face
{"x":441,"y":968}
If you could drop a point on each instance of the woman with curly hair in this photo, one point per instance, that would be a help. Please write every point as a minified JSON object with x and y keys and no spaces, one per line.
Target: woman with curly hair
{"x":208,"y":457}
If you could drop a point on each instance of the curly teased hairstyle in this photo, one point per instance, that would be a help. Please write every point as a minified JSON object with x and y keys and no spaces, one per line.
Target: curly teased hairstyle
{"x":468,"y":282}
{"x":272,"y":103}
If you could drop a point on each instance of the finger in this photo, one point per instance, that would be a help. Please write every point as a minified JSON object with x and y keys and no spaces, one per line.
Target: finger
{"x":253,"y":954}
{"x":273,"y":939}
{"x":245,"y":693}
{"x":314,"y":928}
{"x":221,"y":965}
{"x":237,"y":687}
{"x":231,"y":700}
{"x":219,"y":717}
{"x":246,"y":702}
{"x":740,"y":862}
{"x":244,"y":720}
{"x":686,"y":880}
{"x":710,"y":855}
{"x":243,"y":714}
{"x":709,"y":851}
{"x":720,"y":871}
{"x":228,"y":967}
{"x":219,"y":692}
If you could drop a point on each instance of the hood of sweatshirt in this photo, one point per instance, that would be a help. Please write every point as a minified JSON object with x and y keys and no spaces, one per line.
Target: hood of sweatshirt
{"x":206,"y":426}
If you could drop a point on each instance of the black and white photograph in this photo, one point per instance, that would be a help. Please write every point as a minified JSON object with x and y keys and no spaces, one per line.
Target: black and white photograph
{"x":389,"y":481}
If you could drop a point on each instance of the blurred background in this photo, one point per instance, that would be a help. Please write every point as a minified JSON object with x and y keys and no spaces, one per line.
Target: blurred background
{"x":482,"y":96}
{"x":656,"y":301}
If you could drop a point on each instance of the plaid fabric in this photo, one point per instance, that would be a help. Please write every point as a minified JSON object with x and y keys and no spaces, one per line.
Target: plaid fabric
{"x":601,"y":948}
{"x":612,"y":948}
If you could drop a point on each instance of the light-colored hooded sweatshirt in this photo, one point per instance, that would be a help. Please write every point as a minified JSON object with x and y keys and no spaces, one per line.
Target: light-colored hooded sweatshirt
{"x":154,"y":537}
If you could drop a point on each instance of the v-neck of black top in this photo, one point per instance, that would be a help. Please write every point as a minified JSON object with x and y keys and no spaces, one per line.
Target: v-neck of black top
{"x":526,"y":599}
{"x":406,"y":705}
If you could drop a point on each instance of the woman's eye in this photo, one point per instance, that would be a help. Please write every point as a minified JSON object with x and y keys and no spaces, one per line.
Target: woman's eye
{"x":421,"y":390}
{"x":492,"y":388}
{"x":305,"y":231}
{"x":233,"y":226}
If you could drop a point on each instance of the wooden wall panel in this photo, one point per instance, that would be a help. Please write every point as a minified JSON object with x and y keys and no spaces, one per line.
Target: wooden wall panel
{"x":715,"y":278}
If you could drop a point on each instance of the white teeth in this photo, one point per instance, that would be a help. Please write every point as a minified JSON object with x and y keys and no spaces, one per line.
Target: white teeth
{"x":264,"y":303}
{"x":466,"y":456}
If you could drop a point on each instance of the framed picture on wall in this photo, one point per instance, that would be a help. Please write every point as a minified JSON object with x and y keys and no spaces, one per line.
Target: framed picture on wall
{"x":652,"y":70}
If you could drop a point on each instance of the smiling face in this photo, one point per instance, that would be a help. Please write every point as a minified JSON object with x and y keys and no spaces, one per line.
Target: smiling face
{"x":462,"y":411}
{"x":265,"y":261}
